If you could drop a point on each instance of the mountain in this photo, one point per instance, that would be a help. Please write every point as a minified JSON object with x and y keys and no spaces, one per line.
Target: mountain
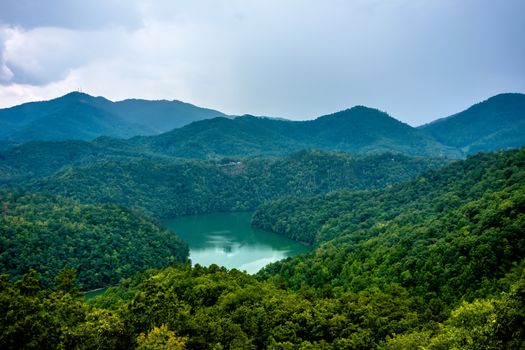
{"x":73,"y":116}
{"x":496,"y":123}
{"x":162,"y":115}
{"x":169,"y":188}
{"x":78,"y":116}
{"x":359,"y":130}
{"x":364,"y":130}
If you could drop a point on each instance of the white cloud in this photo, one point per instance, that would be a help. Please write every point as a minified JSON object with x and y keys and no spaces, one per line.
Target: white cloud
{"x":416,"y":60}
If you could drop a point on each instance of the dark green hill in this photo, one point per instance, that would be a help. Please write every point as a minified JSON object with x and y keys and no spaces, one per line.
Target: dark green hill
{"x":78,"y":116}
{"x":73,"y":116}
{"x":364,"y":130}
{"x":222,"y":137}
{"x":104,"y":243}
{"x":449,"y":234}
{"x":162,"y":115}
{"x":38,"y":159}
{"x":168,"y":188}
{"x":496,"y":123}
{"x":359,"y":130}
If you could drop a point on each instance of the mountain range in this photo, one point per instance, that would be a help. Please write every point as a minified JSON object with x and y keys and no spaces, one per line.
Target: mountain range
{"x":80,"y":116}
{"x":496,"y":123}
{"x":177,"y":129}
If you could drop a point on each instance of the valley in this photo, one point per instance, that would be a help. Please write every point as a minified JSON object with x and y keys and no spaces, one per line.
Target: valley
{"x":354,"y":230}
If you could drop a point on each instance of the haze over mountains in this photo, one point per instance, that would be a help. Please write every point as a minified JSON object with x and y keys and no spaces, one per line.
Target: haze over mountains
{"x":79,"y":116}
{"x":182,"y":130}
{"x":496,"y":123}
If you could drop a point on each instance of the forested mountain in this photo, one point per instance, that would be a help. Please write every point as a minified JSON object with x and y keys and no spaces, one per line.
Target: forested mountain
{"x":435,"y":262}
{"x":103,"y":243}
{"x":408,"y":252}
{"x":493,"y":124}
{"x":449,"y":234}
{"x":496,"y":123}
{"x":78,"y":116}
{"x":75,"y":116}
{"x":161,"y":115}
{"x":38,"y":159}
{"x":359,"y":130}
{"x":166,"y":188}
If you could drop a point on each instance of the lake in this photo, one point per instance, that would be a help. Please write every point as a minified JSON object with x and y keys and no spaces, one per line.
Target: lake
{"x":227,"y":239}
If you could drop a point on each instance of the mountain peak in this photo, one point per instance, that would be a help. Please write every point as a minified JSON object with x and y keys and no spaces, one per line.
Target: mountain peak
{"x":496,"y":123}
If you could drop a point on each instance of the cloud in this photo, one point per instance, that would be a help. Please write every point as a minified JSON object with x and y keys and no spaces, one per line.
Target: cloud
{"x":5,"y":73}
{"x":41,"y":56}
{"x":72,"y":14}
{"x":296,"y":58}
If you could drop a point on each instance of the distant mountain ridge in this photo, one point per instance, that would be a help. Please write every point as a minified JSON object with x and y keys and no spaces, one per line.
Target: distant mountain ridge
{"x":496,"y":123}
{"x":181,"y":130}
{"x":79,"y":116}
{"x":358,"y":130}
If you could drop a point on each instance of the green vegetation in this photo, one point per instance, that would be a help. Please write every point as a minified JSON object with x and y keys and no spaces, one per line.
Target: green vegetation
{"x":359,"y":130}
{"x":409,"y":253}
{"x":211,"y":308}
{"x":446,"y":236}
{"x":496,"y":123}
{"x":104,"y":243}
{"x":175,"y":188}
{"x":39,"y":159}
{"x":78,"y":116}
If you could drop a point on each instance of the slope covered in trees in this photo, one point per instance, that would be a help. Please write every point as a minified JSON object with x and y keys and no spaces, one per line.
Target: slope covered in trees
{"x":104,"y":243}
{"x":434,"y":262}
{"x":174,"y":188}
{"x":496,"y":123}
{"x":79,"y":116}
{"x":359,"y":130}
{"x":39,"y":159}
{"x":211,"y":308}
{"x":446,"y":236}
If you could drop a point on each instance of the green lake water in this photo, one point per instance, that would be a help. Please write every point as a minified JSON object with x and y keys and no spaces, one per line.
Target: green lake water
{"x":227,"y":239}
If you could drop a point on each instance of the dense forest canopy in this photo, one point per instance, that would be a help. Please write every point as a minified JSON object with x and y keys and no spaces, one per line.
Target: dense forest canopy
{"x":103,"y":243}
{"x":434,"y":262}
{"x":408,"y":252}
{"x":451,"y":233}
{"x":172,"y":188}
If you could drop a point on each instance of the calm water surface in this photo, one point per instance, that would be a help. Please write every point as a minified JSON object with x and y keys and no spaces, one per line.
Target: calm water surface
{"x":227,"y":239}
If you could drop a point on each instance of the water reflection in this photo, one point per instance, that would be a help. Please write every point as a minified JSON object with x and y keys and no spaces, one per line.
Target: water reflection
{"x":227,"y":239}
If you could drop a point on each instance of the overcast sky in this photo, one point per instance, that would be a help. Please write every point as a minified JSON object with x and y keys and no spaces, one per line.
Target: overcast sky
{"x":417,"y":60}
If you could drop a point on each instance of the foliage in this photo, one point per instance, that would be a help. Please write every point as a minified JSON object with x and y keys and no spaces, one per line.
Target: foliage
{"x":445,"y":236}
{"x":78,"y":116}
{"x":160,"y":338}
{"x":496,"y":123}
{"x":104,"y":243}
{"x":174,"y":188}
{"x":436,"y":262}
{"x":33,"y":318}
{"x":359,"y":130}
{"x":481,"y":324}
{"x":211,"y":308}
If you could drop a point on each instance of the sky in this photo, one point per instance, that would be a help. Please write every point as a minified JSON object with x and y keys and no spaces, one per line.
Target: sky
{"x":418,"y":60}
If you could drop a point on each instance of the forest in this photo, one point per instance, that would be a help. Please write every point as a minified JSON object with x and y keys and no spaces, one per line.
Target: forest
{"x":434,"y":262}
{"x":412,"y":247}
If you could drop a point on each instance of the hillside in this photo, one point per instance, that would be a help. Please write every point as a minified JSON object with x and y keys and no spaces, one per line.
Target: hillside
{"x":78,"y":116}
{"x":359,"y":130}
{"x":103,"y":243}
{"x":496,"y":123}
{"x":450,"y":233}
{"x":38,"y":159}
{"x":168,"y":188}
{"x":435,"y":263}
